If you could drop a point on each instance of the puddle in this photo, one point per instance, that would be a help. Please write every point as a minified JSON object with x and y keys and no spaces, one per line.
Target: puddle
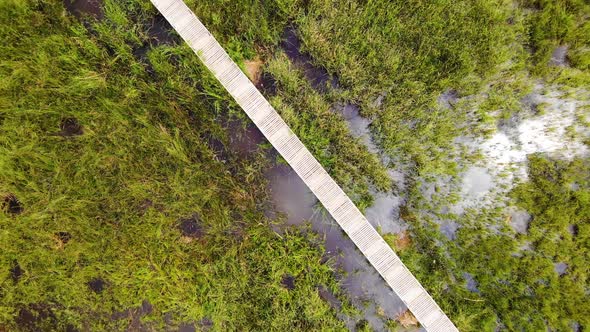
{"x":358,"y":125}
{"x":244,"y":141}
{"x":519,"y":221}
{"x":477,"y":182}
{"x":544,"y":126}
{"x":318,"y":77}
{"x":471,"y":283}
{"x":361,"y":282}
{"x":384,"y":213}
{"x":449,"y":229}
{"x":290,"y":195}
{"x":560,"y":268}
{"x":448,"y":99}
{"x":159,"y":32}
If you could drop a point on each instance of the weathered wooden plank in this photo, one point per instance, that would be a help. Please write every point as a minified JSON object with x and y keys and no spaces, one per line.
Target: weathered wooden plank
{"x":278,"y":133}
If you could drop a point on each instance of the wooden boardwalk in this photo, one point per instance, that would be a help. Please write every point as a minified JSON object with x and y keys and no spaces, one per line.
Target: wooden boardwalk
{"x":270,"y":123}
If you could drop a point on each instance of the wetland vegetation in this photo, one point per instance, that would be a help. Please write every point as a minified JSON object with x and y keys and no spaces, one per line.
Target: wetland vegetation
{"x":135,"y":195}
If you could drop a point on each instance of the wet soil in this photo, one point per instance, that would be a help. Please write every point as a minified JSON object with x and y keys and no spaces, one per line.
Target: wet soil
{"x":318,"y":77}
{"x":70,"y":127}
{"x":16,"y":271}
{"x":267,"y":84}
{"x":327,"y":296}
{"x":159,"y":32}
{"x":288,"y":282}
{"x":12,"y":205}
{"x":81,"y":8}
{"x":63,"y":237}
{"x":244,"y":141}
{"x":36,"y":317}
{"x":190,"y":227}
{"x":97,"y":285}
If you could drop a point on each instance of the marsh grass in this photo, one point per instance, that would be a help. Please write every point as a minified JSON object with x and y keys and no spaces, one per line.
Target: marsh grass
{"x":100,"y":231}
{"x":110,"y":142}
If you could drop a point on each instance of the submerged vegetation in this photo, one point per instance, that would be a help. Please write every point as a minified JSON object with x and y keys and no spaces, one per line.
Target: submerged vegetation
{"x":124,"y":204}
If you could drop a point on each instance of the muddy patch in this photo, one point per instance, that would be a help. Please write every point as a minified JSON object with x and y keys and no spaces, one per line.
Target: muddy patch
{"x":70,"y":127}
{"x":12,"y":205}
{"x":159,"y":32}
{"x":191,"y":227}
{"x":16,"y":272}
{"x":36,"y":317}
{"x":267,"y":84}
{"x":329,"y":297}
{"x":97,"y":285}
{"x":288,"y":282}
{"x":63,"y":237}
{"x":81,"y":8}
{"x":318,"y":77}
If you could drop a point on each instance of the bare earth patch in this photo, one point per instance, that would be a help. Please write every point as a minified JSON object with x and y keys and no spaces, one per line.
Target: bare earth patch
{"x":407,"y":319}
{"x":253,"y":69}
{"x":403,"y":241}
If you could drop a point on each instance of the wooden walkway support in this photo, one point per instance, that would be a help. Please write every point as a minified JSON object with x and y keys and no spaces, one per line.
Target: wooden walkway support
{"x":278,"y":133}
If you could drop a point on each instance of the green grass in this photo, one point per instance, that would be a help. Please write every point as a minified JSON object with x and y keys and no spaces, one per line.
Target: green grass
{"x":143,"y":163}
{"x":121,"y":188}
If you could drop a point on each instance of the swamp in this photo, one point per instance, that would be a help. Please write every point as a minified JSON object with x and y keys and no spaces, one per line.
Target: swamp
{"x":136,"y":195}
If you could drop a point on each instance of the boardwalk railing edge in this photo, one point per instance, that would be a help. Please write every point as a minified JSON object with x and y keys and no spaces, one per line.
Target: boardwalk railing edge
{"x":278,"y":133}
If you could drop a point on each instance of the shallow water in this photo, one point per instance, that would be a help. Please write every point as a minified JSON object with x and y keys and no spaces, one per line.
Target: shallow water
{"x":519,"y":220}
{"x":361,"y":282}
{"x":358,"y":125}
{"x":560,"y":268}
{"x":559,"y":56}
{"x":477,"y":182}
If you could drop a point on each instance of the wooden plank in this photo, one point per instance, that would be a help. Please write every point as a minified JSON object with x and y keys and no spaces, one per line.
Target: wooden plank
{"x":278,"y":133}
